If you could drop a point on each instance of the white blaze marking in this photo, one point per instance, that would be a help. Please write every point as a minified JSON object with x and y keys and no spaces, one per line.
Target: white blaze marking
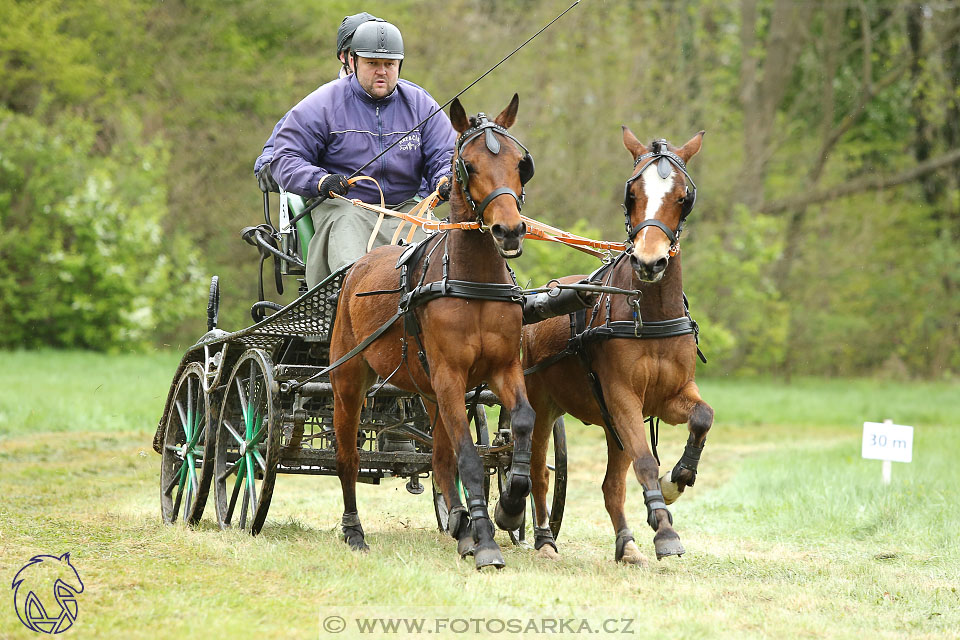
{"x":655,"y":189}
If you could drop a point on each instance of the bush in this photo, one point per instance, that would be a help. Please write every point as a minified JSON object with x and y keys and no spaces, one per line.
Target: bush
{"x":84,"y":259}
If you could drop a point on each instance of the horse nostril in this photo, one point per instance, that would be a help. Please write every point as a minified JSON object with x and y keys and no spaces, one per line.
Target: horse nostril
{"x":498,"y":231}
{"x":659,"y":265}
{"x":522,"y":229}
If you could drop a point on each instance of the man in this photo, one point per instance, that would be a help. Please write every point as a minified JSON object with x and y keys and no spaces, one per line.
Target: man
{"x":261,"y":167}
{"x":345,"y":123}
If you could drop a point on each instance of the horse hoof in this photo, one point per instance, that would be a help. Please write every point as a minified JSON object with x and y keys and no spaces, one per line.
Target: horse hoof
{"x":488,"y":557}
{"x":548,"y":552}
{"x":671,"y":490}
{"x":632,"y":556}
{"x":506,"y":521}
{"x":668,"y":545}
{"x":466,"y":546}
{"x":357,"y":544}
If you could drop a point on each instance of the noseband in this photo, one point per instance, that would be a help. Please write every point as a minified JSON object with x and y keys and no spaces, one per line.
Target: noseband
{"x":487,"y":128}
{"x":662,"y":155}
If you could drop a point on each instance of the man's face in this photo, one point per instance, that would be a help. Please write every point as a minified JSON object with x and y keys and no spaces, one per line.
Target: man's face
{"x":378,"y":76}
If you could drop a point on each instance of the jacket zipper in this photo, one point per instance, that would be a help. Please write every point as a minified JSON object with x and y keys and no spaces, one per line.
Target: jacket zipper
{"x":380,"y":142}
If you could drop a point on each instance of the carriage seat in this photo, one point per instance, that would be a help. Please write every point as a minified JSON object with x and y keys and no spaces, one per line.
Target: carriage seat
{"x":290,"y":206}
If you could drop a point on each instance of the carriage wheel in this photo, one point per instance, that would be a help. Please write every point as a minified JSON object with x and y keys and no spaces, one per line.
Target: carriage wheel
{"x":479,"y":419}
{"x":247,"y":444}
{"x":186,"y":464}
{"x":557,"y":468}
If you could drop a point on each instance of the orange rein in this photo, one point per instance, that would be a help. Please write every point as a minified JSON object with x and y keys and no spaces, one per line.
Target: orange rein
{"x":422,"y":216}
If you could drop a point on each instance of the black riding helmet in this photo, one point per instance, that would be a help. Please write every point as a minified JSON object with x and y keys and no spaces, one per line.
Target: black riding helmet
{"x":348,"y":27}
{"x":377,"y":39}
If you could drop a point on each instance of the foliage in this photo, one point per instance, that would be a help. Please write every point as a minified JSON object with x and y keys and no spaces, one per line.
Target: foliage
{"x":810,"y":97}
{"x":84,"y":260}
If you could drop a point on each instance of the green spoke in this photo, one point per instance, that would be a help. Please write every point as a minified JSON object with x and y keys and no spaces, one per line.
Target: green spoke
{"x":251,"y":481}
{"x":230,"y":469}
{"x":260,"y":461}
{"x":236,"y":492}
{"x":191,"y":411}
{"x":243,"y":397}
{"x":235,"y":435}
{"x":179,"y":406}
{"x":173,"y":482}
{"x":259,"y":430}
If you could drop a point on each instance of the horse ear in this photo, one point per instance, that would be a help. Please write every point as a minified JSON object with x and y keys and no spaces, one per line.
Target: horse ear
{"x":509,"y":115}
{"x":65,"y":557}
{"x":690,"y":149}
{"x":634,"y":146}
{"x":458,"y":117}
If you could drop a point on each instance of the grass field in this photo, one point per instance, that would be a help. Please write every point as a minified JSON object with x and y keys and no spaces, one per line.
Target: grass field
{"x":789,"y":533}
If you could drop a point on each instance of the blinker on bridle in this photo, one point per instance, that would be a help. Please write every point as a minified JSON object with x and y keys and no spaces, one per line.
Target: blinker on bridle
{"x":662,"y":155}
{"x":486,"y":128}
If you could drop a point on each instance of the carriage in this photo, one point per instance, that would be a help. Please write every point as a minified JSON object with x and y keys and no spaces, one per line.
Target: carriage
{"x":247,"y":405}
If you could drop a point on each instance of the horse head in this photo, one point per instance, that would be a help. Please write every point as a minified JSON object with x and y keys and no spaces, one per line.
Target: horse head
{"x":490,"y":163}
{"x":657,"y":195}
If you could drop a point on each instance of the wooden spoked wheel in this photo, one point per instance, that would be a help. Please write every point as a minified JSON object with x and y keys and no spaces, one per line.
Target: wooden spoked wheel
{"x":186,"y":458}
{"x":247,"y":444}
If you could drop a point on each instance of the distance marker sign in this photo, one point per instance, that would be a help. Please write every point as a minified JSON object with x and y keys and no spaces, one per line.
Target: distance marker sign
{"x":887,"y":441}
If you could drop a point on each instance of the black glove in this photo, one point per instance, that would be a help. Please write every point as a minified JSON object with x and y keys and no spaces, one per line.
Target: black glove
{"x":265,"y":179}
{"x":443,"y":188}
{"x":334,"y":182}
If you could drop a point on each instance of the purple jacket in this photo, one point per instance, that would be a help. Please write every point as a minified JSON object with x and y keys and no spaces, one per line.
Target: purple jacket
{"x":339,"y":127}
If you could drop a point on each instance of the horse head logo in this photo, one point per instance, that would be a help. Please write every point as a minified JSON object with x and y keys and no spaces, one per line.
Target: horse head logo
{"x":45,"y":593}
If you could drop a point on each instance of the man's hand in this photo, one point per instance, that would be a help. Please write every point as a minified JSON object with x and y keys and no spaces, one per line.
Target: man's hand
{"x":266,"y":181}
{"x":443,"y":188}
{"x":334,"y":183}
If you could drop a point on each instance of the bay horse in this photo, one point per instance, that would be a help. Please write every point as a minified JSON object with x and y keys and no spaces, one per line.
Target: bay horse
{"x":605,"y":376}
{"x":462,"y":320}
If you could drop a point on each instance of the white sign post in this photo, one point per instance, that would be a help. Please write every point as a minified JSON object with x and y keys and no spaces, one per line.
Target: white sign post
{"x":888,"y":442}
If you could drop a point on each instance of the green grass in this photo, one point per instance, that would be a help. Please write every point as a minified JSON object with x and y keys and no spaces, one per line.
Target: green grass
{"x":788,"y":532}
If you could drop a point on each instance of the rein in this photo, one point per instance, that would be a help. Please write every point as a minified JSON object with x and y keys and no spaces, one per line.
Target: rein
{"x":422,"y":217}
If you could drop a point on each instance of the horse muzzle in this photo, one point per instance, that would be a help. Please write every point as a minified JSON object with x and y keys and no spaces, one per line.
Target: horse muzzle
{"x":509,"y":240}
{"x":648,"y":270}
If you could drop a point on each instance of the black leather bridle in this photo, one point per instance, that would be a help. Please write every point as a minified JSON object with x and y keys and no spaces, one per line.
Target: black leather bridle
{"x":526,"y":167}
{"x":662,"y":155}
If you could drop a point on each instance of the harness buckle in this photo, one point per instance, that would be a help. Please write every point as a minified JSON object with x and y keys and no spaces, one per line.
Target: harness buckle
{"x":634,"y":302}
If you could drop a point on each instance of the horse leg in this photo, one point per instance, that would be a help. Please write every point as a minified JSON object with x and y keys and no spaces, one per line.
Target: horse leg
{"x":350,"y":381}
{"x":626,"y":408}
{"x":689,"y":407}
{"x":450,"y":389}
{"x":614,"y":497}
{"x":444,"y":473}
{"x":513,"y":396}
{"x":543,"y":542}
